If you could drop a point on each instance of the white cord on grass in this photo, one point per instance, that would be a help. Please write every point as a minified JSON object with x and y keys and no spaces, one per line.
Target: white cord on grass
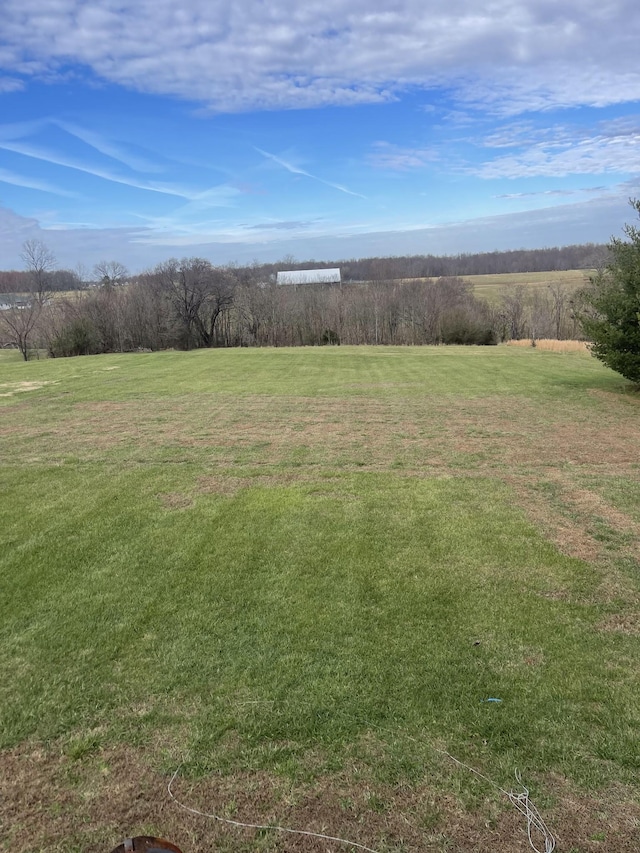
{"x":520,"y":801}
{"x":534,"y":819}
{"x":263,"y":826}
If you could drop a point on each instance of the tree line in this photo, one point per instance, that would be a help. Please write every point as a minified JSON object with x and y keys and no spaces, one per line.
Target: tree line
{"x":575,"y":257}
{"x":191,"y":303}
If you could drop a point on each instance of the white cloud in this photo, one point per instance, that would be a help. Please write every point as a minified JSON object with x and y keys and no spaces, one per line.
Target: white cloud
{"x":551,"y":193}
{"x":563,"y":150}
{"x":509,"y":55}
{"x":593,"y":157}
{"x":36,"y":153}
{"x":114,"y":150}
{"x":8,"y":177}
{"x":385,"y":155}
{"x":11,"y":84}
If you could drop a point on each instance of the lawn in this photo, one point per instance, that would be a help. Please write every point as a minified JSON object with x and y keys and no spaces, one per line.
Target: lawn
{"x":298,"y":575}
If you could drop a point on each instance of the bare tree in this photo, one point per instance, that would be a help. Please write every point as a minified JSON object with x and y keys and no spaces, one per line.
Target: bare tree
{"x":110,"y":273}
{"x":146,"y":315}
{"x":179,"y":281}
{"x":539,"y":317}
{"x":513,"y":310}
{"x":19,"y":321}
{"x":21,"y":318}
{"x":199,"y":294}
{"x":218,"y":289}
{"x":40,"y":263}
{"x":560,"y":304}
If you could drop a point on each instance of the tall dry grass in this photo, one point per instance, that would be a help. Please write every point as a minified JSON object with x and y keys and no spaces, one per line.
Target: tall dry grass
{"x":552,"y":345}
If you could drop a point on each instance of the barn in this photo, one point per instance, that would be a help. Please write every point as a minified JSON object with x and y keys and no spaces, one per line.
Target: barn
{"x":330,"y":276}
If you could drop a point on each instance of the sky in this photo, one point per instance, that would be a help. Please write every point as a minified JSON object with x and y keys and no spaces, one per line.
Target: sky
{"x":241,"y":130}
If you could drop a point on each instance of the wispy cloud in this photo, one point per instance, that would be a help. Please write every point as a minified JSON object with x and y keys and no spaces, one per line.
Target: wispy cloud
{"x":595,"y":156}
{"x":561,"y":149}
{"x":516,"y":135}
{"x":21,"y":129}
{"x":397,"y":158}
{"x":296,"y":170}
{"x":108,"y":147}
{"x":32,"y":151}
{"x":17,"y":136}
{"x":552,"y":193}
{"x":7,"y":177}
{"x":291,"y":225}
{"x":11,"y":84}
{"x":194,"y":217}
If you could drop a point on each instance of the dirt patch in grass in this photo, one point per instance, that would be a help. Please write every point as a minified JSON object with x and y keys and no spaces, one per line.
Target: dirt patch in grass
{"x":632,"y":398}
{"x":176,"y":500}
{"x":568,"y":535}
{"x":287,"y":439}
{"x":622,"y":623}
{"x":52,"y":802}
{"x":495,"y":434}
{"x":8,"y":389}
{"x":589,"y":503}
{"x":571,"y":514}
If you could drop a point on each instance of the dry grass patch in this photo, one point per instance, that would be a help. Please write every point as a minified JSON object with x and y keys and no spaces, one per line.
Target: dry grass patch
{"x":552,"y":345}
{"x":55,"y":803}
{"x":570,"y":537}
{"x":587,"y":502}
{"x":622,"y":623}
{"x":567,"y":516}
{"x":21,"y":387}
{"x":496,"y":433}
{"x":176,"y":500}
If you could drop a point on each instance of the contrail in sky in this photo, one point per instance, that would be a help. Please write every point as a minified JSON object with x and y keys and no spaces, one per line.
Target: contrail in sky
{"x":297,"y":171}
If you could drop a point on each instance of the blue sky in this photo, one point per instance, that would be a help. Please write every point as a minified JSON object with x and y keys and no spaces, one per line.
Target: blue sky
{"x":245,"y":129}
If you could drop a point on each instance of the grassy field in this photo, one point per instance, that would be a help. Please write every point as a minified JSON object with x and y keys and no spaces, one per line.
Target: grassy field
{"x":491,"y":286}
{"x":299,"y":575}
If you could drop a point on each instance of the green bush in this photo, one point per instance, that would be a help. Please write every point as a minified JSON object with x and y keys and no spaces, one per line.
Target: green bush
{"x":461,"y":327}
{"x":79,"y":337}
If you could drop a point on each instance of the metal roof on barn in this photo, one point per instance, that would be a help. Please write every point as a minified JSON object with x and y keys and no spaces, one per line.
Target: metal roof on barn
{"x":331,"y":276}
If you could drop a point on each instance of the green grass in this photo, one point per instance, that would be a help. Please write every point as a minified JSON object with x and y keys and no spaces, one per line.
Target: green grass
{"x":261,"y":559}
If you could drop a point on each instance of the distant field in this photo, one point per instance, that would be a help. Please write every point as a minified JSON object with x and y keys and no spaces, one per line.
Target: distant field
{"x":9,"y":298}
{"x":490,"y":286}
{"x":487,"y":286}
{"x":297,"y":574}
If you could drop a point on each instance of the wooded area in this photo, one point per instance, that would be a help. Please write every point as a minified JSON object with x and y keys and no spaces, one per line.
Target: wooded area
{"x":191,"y":303}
